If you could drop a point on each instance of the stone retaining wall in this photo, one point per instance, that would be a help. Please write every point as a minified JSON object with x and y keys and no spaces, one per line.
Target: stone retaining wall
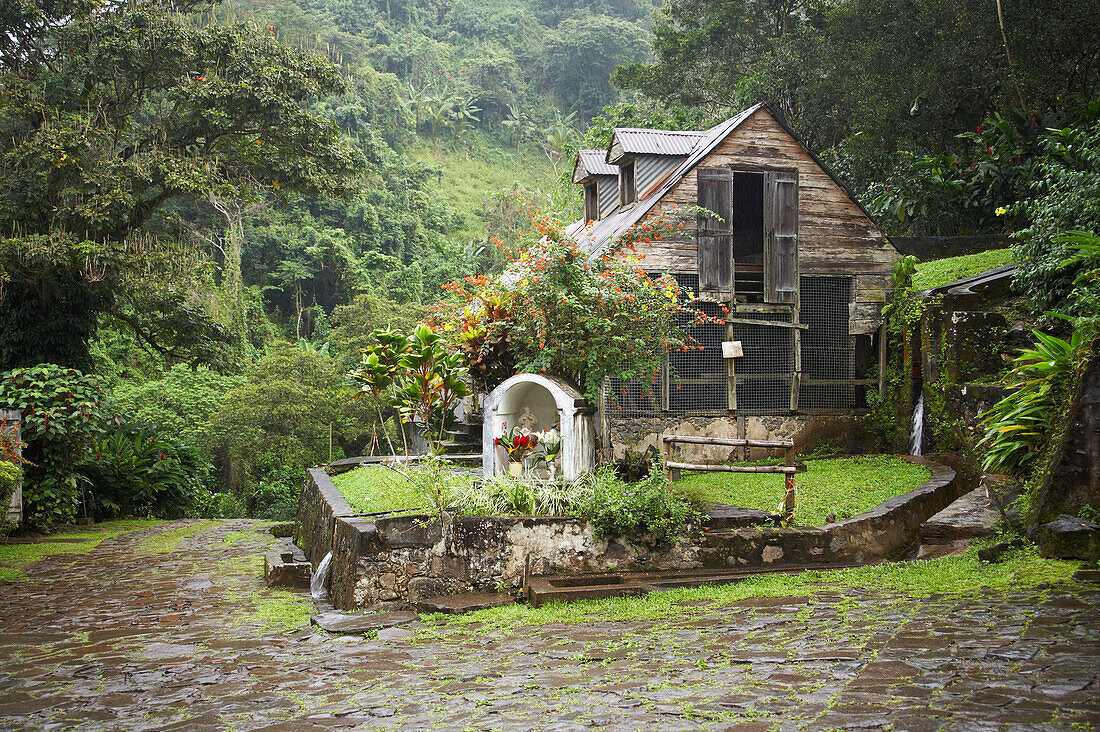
{"x":399,"y":560}
{"x":319,"y":505}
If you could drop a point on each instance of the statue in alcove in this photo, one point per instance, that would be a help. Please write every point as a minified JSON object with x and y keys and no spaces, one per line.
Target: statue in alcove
{"x":527,"y":421}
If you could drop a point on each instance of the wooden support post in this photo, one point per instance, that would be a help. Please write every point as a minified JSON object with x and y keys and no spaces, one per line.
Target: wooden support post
{"x":666,"y":453}
{"x":796,"y":372}
{"x":789,"y":462}
{"x":731,"y":376}
{"x":882,"y":336}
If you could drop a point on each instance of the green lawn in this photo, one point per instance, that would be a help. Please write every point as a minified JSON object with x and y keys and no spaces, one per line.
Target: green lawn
{"x":941,"y":271}
{"x":843,"y":486}
{"x":375,"y":488}
{"x":15,"y":557}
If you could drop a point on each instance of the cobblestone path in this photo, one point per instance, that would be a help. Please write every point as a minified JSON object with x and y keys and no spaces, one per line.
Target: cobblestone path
{"x":124,"y":638}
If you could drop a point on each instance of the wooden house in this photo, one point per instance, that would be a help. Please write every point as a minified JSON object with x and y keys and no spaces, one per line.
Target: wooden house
{"x":802,"y":268}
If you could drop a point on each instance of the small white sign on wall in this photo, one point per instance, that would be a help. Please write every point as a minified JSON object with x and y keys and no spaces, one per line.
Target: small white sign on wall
{"x":732,"y":349}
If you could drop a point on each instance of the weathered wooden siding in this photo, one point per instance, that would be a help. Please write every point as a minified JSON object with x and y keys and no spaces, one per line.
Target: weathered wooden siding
{"x":835,"y":237}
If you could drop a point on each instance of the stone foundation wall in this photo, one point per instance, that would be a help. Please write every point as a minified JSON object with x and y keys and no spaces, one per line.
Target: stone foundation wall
{"x":399,"y":560}
{"x":808,"y":432}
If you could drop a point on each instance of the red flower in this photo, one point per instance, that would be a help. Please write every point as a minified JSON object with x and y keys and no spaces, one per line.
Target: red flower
{"x":979,"y":129}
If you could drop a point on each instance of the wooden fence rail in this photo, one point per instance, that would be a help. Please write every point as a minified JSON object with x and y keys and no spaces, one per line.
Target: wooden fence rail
{"x":787,"y":470}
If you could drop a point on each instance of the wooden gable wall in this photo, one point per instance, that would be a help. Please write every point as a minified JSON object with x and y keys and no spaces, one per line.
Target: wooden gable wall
{"x":835,"y":237}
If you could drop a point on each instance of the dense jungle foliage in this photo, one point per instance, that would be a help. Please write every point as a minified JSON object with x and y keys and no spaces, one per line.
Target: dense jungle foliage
{"x":207,"y":208}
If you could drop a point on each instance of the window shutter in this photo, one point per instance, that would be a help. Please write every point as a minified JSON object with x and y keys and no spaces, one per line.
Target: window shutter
{"x":591,"y":202}
{"x":714,"y":240}
{"x":781,"y":236}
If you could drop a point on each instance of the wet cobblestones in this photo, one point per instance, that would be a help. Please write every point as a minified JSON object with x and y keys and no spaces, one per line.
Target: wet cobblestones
{"x":126,"y":639}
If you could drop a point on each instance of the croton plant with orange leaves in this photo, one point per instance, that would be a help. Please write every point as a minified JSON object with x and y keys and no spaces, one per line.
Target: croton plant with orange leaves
{"x":557,"y":310}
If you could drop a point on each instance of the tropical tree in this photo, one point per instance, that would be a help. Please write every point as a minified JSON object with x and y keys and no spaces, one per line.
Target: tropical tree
{"x":109,"y":111}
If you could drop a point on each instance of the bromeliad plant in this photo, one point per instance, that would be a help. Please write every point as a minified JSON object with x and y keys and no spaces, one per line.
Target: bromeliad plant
{"x":1017,"y":426}
{"x":557,"y":309}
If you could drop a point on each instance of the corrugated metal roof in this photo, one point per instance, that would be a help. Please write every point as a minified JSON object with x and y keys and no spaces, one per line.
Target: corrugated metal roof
{"x":594,"y":162}
{"x":637,"y":141}
{"x":618,"y":221}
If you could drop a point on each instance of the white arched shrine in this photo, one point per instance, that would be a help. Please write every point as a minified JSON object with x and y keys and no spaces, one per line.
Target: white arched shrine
{"x":554,"y":403}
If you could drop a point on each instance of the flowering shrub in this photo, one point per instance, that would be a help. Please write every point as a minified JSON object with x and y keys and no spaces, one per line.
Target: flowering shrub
{"x":139,"y":473}
{"x":969,"y":190}
{"x":647,"y":507}
{"x":554,"y":309}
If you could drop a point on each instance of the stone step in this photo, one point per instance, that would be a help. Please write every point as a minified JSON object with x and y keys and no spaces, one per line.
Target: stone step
{"x":973,"y":514}
{"x":335,"y":621}
{"x":469,"y":460}
{"x":565,"y":588}
{"x":467,"y":438}
{"x":722,"y":517}
{"x":287,"y":569}
{"x":451,"y":447}
{"x":463,"y":603}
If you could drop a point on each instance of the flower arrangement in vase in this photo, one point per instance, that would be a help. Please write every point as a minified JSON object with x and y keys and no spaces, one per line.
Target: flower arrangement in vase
{"x":519,"y":443}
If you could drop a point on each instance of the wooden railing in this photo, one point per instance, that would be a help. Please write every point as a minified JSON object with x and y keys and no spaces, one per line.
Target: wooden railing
{"x":788,"y":469}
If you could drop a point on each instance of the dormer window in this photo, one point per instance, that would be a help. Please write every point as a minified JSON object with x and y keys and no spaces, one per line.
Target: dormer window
{"x":627,"y":192}
{"x":591,"y":201}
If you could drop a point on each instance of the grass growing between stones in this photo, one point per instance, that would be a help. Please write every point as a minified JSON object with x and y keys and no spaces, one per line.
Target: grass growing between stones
{"x":958,"y":575}
{"x":169,"y":541}
{"x":941,"y":271}
{"x":15,"y":557}
{"x":843,"y":486}
{"x":279,"y":609}
{"x":375,"y":488}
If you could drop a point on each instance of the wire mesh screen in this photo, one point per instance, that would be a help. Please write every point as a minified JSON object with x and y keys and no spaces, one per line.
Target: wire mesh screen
{"x":763,"y":373}
{"x":697,"y":377}
{"x":634,"y":398}
{"x":828,"y":353}
{"x":643,"y":397}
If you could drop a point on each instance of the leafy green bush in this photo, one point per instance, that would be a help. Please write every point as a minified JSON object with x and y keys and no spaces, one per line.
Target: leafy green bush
{"x":181,"y":402}
{"x":1067,"y":200}
{"x":135,"y":472}
{"x":64,"y":412}
{"x":276,"y":424}
{"x":646,"y":508}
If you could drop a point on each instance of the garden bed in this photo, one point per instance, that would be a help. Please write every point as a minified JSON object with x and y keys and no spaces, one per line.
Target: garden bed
{"x":842,"y":487}
{"x":938,"y":272}
{"x":400,"y":559}
{"x":371,"y":489}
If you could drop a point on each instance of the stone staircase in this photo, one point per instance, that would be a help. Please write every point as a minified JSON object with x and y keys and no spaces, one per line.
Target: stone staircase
{"x":462,"y":443}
